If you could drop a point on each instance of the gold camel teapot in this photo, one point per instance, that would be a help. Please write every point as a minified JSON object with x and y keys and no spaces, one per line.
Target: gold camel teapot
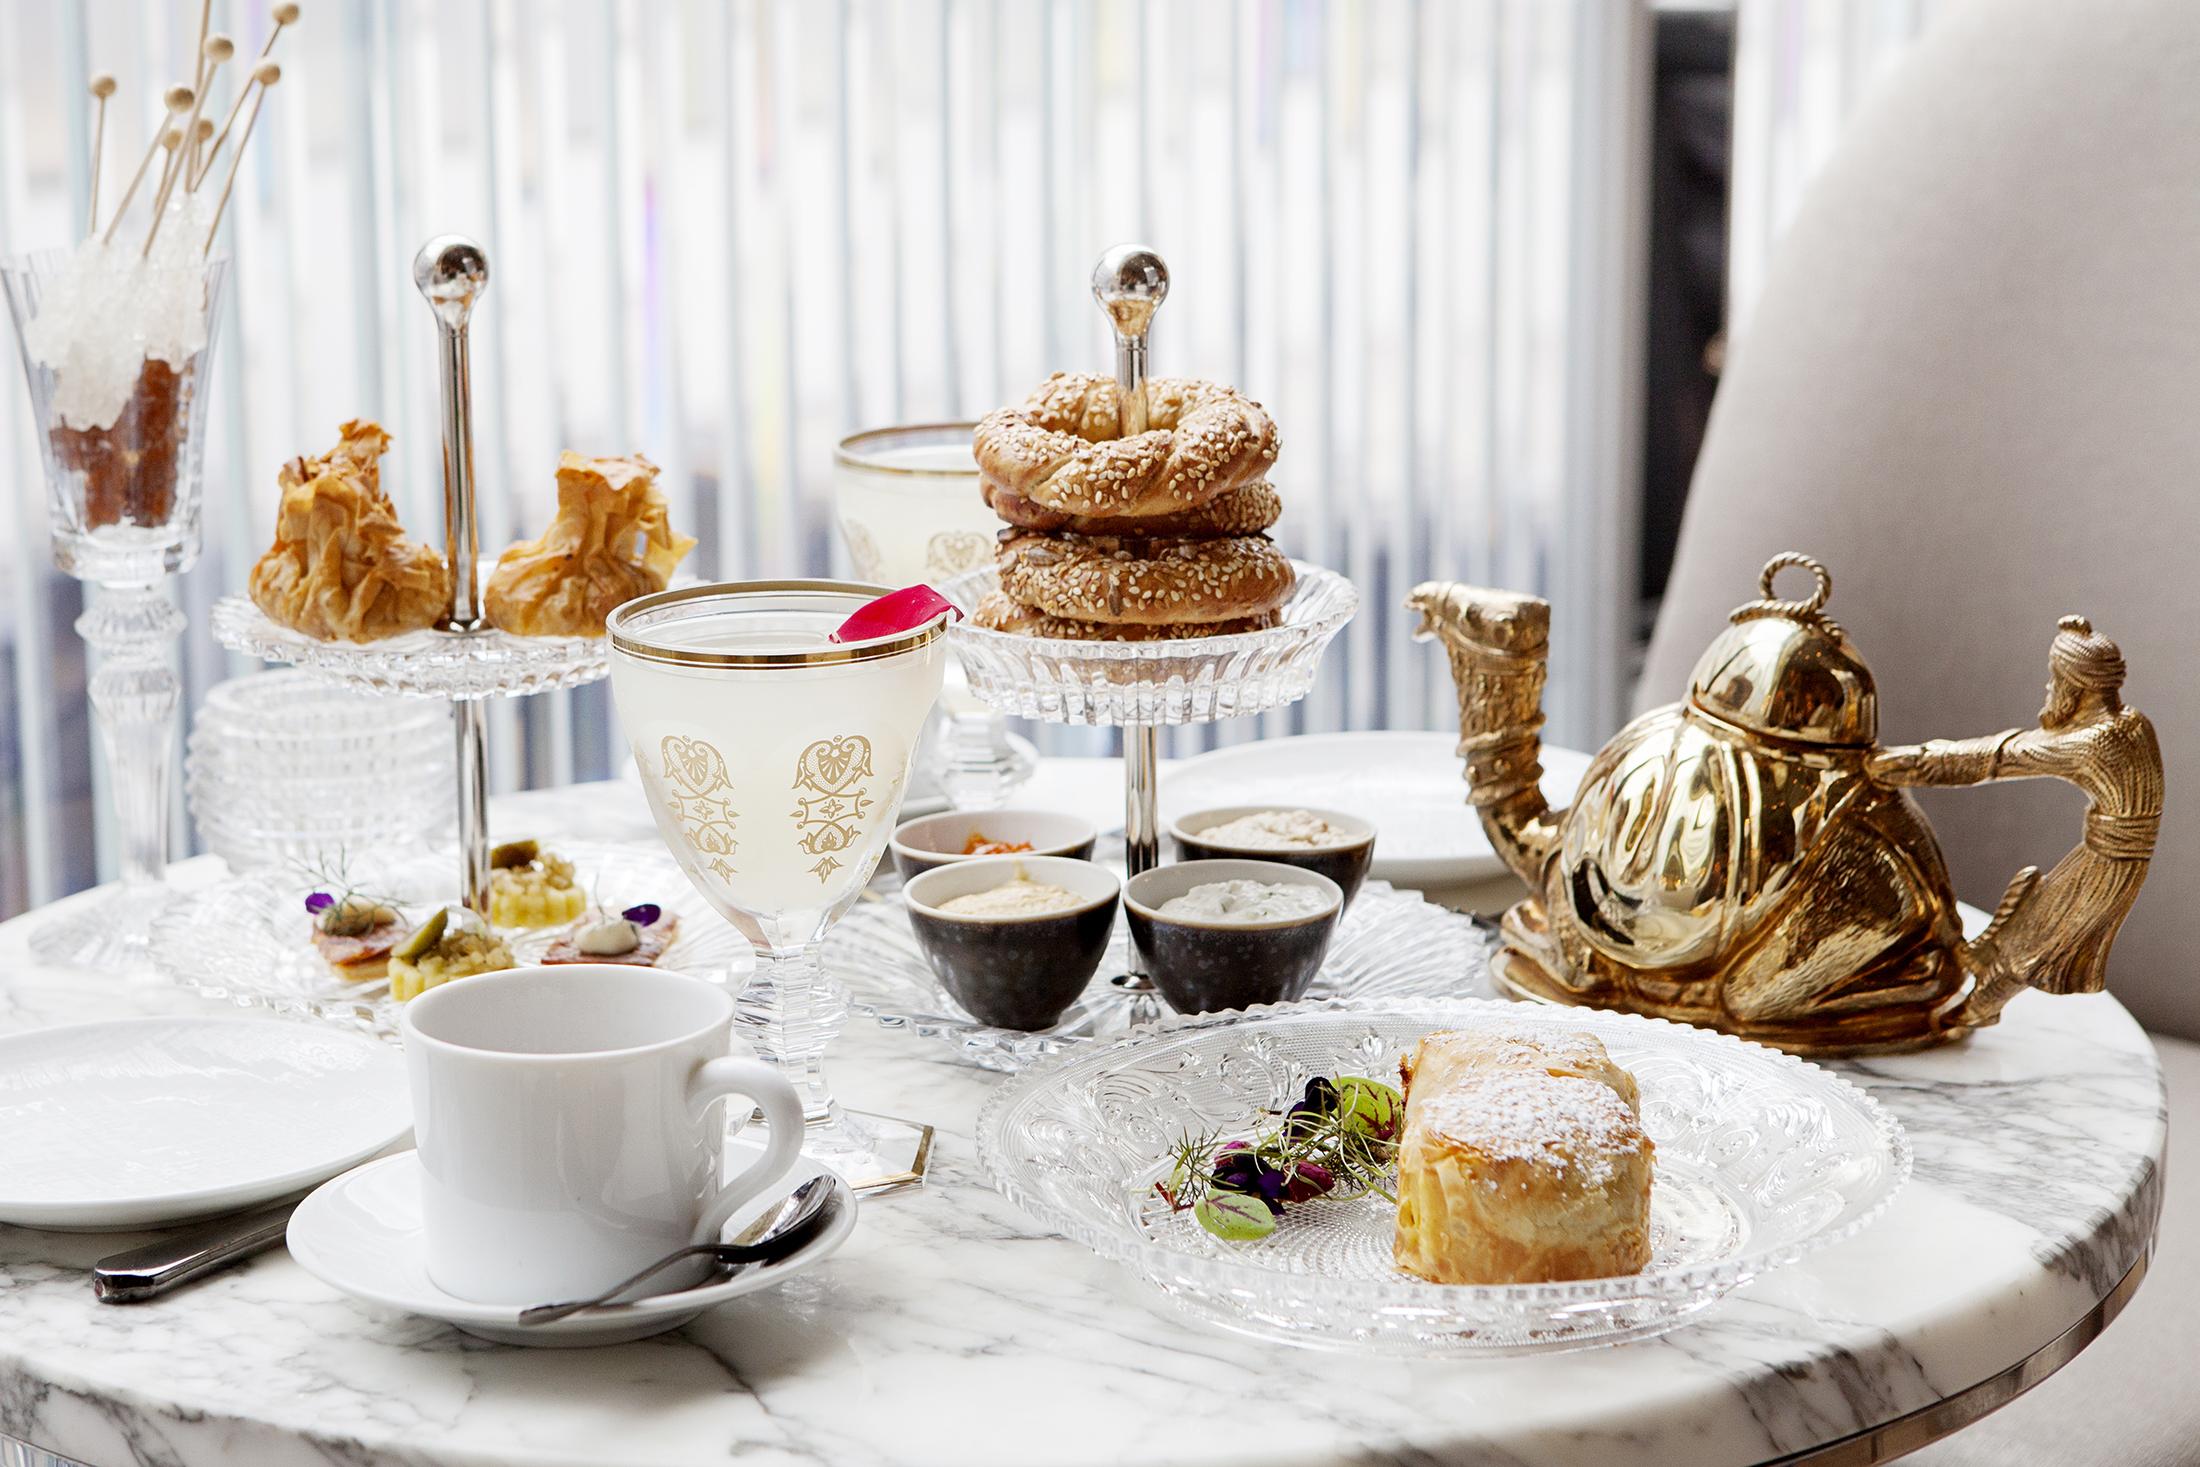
{"x":1748,"y":858}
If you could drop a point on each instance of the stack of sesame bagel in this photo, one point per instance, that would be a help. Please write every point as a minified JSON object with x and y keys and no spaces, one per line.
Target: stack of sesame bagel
{"x":1145,"y":536}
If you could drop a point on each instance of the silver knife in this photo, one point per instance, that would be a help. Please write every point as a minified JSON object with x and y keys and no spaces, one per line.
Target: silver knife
{"x":142,"y":1273}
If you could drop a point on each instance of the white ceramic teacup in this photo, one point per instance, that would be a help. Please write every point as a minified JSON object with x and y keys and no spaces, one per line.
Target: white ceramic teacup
{"x":569,"y":1128}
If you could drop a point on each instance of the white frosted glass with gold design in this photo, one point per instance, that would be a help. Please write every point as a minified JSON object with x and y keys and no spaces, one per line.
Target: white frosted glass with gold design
{"x":909,"y":504}
{"x":774,"y":760}
{"x":911,"y":510}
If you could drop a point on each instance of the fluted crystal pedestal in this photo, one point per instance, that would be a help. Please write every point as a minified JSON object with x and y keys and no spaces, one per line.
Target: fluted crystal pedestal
{"x":117,"y":351}
{"x":135,"y":692}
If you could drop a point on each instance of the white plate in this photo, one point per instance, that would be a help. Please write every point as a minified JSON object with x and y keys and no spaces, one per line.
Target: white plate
{"x":1411,"y":785}
{"x":361,"y":1235}
{"x":141,"y":1122}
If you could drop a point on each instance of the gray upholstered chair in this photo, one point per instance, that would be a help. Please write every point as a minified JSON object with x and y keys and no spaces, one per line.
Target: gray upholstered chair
{"x":1972,"y":387}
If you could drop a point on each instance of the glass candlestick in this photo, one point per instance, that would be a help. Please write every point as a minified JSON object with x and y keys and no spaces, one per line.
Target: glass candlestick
{"x":774,"y":759}
{"x":118,"y":353}
{"x":911,"y":509}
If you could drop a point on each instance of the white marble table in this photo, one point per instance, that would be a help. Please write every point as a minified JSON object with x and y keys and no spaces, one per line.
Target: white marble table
{"x":951,"y":1331}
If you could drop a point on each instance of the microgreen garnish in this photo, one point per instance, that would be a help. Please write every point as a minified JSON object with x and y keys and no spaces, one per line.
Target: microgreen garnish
{"x":333,"y":888}
{"x":1338,"y":1141}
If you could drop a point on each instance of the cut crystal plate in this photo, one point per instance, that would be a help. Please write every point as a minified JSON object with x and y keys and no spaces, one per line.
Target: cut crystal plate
{"x":1761,"y":1159}
{"x":424,"y":664}
{"x":246,"y":940}
{"x":1195,"y":680}
{"x":1391,"y":945}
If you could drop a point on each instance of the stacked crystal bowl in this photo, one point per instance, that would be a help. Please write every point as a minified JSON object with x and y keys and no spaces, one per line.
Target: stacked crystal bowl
{"x":285,"y":768}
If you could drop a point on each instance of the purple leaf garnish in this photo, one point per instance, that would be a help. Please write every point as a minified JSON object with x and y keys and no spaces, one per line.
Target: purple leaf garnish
{"x":1309,"y":1179}
{"x":645,"y":915}
{"x":319,"y":902}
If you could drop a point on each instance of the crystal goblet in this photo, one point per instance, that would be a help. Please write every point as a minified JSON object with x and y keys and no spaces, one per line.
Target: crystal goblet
{"x":774,"y":761}
{"x":910,"y":509}
{"x":118,"y":354}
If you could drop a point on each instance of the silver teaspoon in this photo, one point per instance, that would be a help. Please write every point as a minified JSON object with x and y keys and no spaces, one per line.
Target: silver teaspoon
{"x":783,"y":1231}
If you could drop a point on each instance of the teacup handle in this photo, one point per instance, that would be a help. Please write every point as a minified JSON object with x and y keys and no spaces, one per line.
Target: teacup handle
{"x":782,"y":1108}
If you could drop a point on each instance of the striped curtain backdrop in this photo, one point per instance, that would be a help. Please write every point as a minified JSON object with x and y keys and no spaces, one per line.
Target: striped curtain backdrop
{"x":727,"y":234}
{"x":1800,"y":67}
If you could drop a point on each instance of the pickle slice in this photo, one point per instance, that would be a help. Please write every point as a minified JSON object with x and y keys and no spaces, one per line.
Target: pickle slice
{"x":424,"y":937}
{"x":514,"y":853}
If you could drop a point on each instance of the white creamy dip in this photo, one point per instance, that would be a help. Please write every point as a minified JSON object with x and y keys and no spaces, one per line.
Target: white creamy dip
{"x":1247,"y":902}
{"x":1277,"y":830}
{"x":608,"y":938}
{"x":1021,"y":897}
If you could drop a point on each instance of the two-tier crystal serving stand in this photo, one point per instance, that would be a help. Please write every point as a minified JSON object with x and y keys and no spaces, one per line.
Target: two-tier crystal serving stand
{"x":1142,"y":687}
{"x":463,"y":659}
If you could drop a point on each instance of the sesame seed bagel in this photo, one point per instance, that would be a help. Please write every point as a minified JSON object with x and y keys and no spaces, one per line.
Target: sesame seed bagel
{"x":997,"y":613}
{"x":1143,"y":582}
{"x":1246,"y":510}
{"x":1063,"y":448}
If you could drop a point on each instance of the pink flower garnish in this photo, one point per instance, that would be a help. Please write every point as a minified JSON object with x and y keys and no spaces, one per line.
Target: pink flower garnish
{"x":896,"y":611}
{"x":319,"y":902}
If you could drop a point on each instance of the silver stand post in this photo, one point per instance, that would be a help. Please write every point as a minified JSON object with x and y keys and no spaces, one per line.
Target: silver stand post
{"x":1141,"y":772}
{"x":1130,"y":282}
{"x":452,"y":273}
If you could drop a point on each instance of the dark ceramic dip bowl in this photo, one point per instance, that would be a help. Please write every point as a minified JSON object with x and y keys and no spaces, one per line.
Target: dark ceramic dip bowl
{"x":1202,"y":965}
{"x":938,"y":840}
{"x":1014,"y":972}
{"x":1345,"y":863}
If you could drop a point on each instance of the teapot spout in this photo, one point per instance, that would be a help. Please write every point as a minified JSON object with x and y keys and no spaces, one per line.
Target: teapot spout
{"x":1499,"y":643}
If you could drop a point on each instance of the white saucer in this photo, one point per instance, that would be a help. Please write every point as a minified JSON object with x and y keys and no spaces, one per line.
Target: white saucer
{"x":136,"y":1123}
{"x":1411,"y":785}
{"x":361,"y":1235}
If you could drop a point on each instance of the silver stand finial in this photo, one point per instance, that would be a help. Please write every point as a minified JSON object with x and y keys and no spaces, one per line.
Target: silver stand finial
{"x":1130,"y":282}
{"x":453,"y":274}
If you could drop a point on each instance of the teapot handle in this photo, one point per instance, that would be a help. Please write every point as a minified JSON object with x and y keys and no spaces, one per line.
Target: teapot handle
{"x":2053,"y":930}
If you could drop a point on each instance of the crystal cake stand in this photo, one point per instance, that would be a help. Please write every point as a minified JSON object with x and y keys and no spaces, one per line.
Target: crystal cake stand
{"x":1141,"y":686}
{"x":463,"y":660}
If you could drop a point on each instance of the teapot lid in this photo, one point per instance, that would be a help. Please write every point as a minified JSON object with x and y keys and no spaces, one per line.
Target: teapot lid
{"x":1786,"y":669}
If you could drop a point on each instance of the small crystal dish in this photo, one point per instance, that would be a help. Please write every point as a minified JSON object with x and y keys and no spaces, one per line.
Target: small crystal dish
{"x":286,"y":766}
{"x":1191,"y":680}
{"x":247,"y":939}
{"x":1761,"y":1159}
{"x":1391,"y":945}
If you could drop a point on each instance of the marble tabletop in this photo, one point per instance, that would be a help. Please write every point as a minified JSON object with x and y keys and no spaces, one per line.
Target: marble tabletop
{"x":951,"y":1330}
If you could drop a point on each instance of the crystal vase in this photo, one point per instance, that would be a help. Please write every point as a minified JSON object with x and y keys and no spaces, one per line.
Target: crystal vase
{"x":118,"y":352}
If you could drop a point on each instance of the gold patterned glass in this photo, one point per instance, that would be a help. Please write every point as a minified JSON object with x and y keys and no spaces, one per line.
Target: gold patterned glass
{"x":911,"y":510}
{"x":774,"y":761}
